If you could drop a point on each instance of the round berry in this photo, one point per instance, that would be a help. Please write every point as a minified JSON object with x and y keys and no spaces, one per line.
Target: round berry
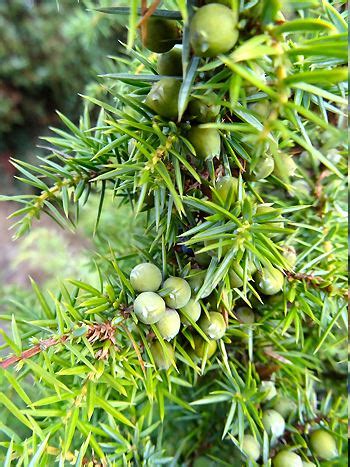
{"x":236,"y":280}
{"x":268,"y":389}
{"x":269,"y":281}
{"x":284,"y":406}
{"x":245,"y":315}
{"x":323,"y":444}
{"x":170,"y":63}
{"x":163,"y":359}
{"x":169,"y":324}
{"x":204,"y":109}
{"x":227,"y":189}
{"x":146,"y":277}
{"x":214,"y":326}
{"x":201,"y":346}
{"x":251,"y":447}
{"x":264,"y":168}
{"x":290,"y":255}
{"x":160,"y":34}
{"x":213,"y":30}
{"x":196,"y":279}
{"x":178,"y":292}
{"x":273,"y":422}
{"x":287,"y":459}
{"x":206,"y":141}
{"x":149,"y":307}
{"x":192,"y":310}
{"x":163,"y":97}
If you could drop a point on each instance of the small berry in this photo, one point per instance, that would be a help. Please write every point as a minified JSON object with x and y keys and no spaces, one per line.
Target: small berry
{"x":323,"y":444}
{"x":227,"y":189}
{"x":149,"y":307}
{"x":273,"y":422}
{"x":290,"y":255}
{"x":192,"y":309}
{"x":213,"y":30}
{"x":169,"y":324}
{"x":284,"y":406}
{"x":170,"y":63}
{"x":214,"y":326}
{"x":264,"y":168}
{"x":236,"y":280}
{"x":162,"y":359}
{"x":251,"y":447}
{"x":196,"y":279}
{"x":269,"y":281}
{"x":160,"y":34}
{"x":287,"y":459}
{"x":178,"y":292}
{"x":206,"y":141}
{"x":200,"y":346}
{"x":245,"y":315}
{"x":204,"y":109}
{"x":163,"y":97}
{"x":269,"y":390}
{"x":146,"y":277}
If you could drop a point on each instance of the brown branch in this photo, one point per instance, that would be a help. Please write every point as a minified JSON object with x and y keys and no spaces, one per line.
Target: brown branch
{"x":29,"y":353}
{"x":147,"y":12}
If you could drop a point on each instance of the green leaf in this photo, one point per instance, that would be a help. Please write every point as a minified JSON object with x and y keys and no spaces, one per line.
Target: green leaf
{"x":305,"y":24}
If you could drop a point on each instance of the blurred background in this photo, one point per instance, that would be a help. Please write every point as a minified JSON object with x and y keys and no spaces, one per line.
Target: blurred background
{"x":50,"y":50}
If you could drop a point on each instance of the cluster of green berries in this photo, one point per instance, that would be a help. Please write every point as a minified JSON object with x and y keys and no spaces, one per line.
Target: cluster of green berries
{"x":207,"y":40}
{"x":322,"y":444}
{"x":169,"y":307}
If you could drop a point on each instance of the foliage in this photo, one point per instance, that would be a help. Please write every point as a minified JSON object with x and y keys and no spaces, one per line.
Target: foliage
{"x":49,"y":51}
{"x":85,"y":387}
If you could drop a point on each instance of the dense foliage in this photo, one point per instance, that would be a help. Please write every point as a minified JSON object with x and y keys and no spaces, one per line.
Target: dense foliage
{"x":236,"y":164}
{"x":49,"y":52}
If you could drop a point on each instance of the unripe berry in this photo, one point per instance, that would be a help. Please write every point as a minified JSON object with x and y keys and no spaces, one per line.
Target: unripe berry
{"x":149,"y":307}
{"x":179,"y":292}
{"x":273,"y":422}
{"x":235,"y":279}
{"x":287,"y":459}
{"x":146,"y":277}
{"x":160,"y":35}
{"x":269,"y":390}
{"x":163,"y":97}
{"x":206,"y":141}
{"x":284,"y":406}
{"x":290,"y":255}
{"x":251,"y":447}
{"x":263,"y":168}
{"x":192,"y":310}
{"x":162,"y":359}
{"x":170,"y":63}
{"x":245,"y":315}
{"x":169,"y":324}
{"x":227,"y":189}
{"x":309,"y":464}
{"x":323,"y":444}
{"x":204,"y":109}
{"x":214,"y":326}
{"x":200,"y":346}
{"x":213,"y":30}
{"x":196,"y":279}
{"x":269,"y":281}
{"x":203,"y":259}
